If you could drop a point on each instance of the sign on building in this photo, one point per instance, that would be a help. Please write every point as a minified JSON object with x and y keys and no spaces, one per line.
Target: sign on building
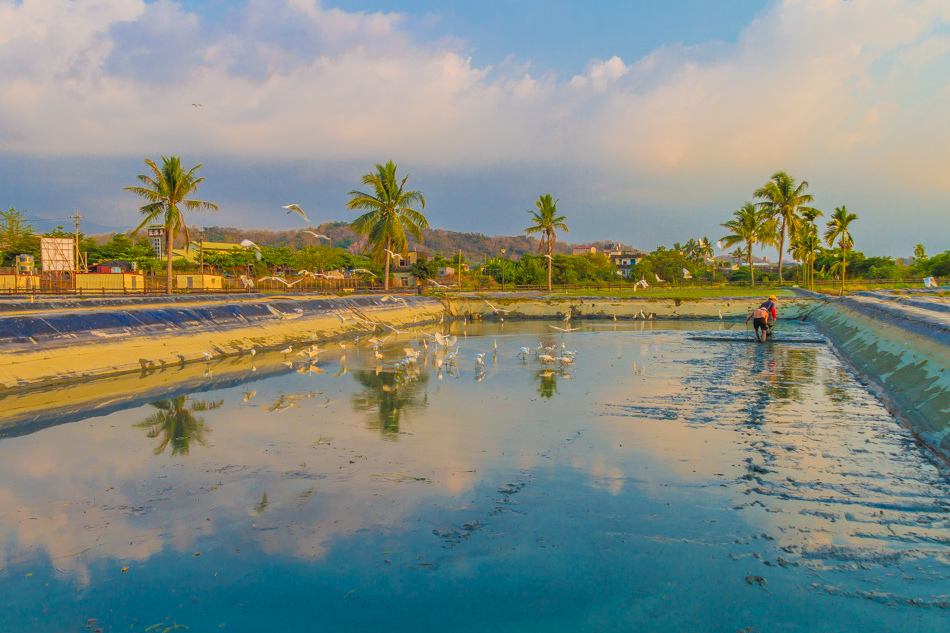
{"x":57,"y":254}
{"x":156,"y":236}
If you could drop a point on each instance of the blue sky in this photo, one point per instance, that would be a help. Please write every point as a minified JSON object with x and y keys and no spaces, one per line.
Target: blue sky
{"x":554,"y":35}
{"x":651,"y":122}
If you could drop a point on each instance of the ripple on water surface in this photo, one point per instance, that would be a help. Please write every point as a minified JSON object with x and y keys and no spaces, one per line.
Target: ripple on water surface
{"x":655,"y":483}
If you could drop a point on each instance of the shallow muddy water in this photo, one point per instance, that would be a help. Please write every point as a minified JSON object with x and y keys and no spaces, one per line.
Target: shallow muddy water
{"x":657,"y":483}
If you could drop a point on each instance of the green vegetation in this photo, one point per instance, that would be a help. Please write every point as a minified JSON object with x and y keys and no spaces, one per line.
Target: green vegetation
{"x":838,"y":229}
{"x":167,"y":189}
{"x":751,"y":226}
{"x":681,"y":293}
{"x":388,"y":214}
{"x":784,"y":201}
{"x":546,"y":222}
{"x":16,"y":237}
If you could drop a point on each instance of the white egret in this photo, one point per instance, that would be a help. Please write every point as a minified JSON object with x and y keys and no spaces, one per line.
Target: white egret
{"x":289,"y":349}
{"x":564,"y":329}
{"x":317,"y":235}
{"x":295,"y":208}
{"x":496,"y":310}
{"x":250,"y":244}
{"x":296,"y":314}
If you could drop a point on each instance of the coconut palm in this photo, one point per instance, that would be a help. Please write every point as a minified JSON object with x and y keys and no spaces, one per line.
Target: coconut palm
{"x":785,"y":200}
{"x":807,"y":244}
{"x":176,"y":423}
{"x":389,"y":214}
{"x":546,"y":221}
{"x":838,"y":229}
{"x":167,"y":190}
{"x":751,"y":226}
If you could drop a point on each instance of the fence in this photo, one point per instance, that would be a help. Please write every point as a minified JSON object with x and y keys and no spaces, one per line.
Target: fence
{"x":63,"y":284}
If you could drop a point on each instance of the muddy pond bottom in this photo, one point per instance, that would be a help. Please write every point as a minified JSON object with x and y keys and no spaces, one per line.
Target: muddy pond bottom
{"x":654,"y":483}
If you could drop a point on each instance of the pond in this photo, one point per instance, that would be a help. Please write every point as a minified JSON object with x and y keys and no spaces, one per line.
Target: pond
{"x":656,"y":483}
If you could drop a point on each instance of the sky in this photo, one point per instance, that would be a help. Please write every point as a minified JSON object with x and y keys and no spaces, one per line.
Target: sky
{"x":649,"y":121}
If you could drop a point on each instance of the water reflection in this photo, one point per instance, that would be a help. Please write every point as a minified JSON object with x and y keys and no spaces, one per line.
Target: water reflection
{"x":646,"y":477}
{"x":386,"y":394}
{"x":176,"y":424}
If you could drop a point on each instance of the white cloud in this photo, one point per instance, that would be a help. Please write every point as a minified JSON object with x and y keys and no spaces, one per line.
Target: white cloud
{"x":809,"y":85}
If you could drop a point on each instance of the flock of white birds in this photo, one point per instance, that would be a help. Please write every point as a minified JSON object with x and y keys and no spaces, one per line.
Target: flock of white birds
{"x":440,"y":350}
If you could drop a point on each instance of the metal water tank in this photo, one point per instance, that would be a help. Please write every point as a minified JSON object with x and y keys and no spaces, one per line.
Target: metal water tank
{"x":25,"y":264}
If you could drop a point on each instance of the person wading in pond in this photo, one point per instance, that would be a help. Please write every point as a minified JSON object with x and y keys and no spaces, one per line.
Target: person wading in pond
{"x":764,"y":318}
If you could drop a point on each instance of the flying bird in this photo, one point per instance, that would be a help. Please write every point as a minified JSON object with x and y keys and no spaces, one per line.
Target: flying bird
{"x":281,"y":280}
{"x":295,"y":208}
{"x":564,"y":329}
{"x":197,"y":105}
{"x":316,"y":235}
{"x":285,"y":315}
{"x":496,"y":310}
{"x":250,"y":244}
{"x":364,"y":271}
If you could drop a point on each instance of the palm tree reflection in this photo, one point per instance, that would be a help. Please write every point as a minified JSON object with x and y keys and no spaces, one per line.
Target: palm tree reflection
{"x":547,"y":382}
{"x":387,"y":394}
{"x":175,"y":423}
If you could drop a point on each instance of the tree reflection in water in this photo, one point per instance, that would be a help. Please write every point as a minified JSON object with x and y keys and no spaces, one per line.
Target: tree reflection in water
{"x":176,"y":424}
{"x":547,"y":382}
{"x":777,"y":375}
{"x":387,"y":394}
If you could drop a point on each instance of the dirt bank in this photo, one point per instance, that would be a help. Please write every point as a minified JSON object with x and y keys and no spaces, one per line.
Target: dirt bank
{"x":66,"y":346}
{"x":608,"y":308}
{"x":902,"y":349}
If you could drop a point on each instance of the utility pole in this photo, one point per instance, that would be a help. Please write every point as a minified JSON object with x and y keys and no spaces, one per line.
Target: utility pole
{"x":460,"y":270}
{"x":201,"y":260}
{"x":76,"y":217}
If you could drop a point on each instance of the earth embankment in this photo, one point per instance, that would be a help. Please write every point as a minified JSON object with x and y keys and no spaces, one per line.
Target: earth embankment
{"x":52,"y":345}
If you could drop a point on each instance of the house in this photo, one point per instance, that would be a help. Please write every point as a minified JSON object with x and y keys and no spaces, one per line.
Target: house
{"x":625,"y":260}
{"x":406,"y":261}
{"x":193,"y":253}
{"x":446,"y":271}
{"x":403,"y":279}
{"x":113,"y":266}
{"x":583,"y":250}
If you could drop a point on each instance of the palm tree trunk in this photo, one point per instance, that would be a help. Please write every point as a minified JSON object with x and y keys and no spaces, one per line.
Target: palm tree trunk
{"x":844,"y":269}
{"x":781,"y":250}
{"x":751,"y":269}
{"x":389,"y":246}
{"x":168,"y":260}
{"x":550,"y":261}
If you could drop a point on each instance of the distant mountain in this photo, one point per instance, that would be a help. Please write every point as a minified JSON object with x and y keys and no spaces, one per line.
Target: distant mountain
{"x":474,"y":246}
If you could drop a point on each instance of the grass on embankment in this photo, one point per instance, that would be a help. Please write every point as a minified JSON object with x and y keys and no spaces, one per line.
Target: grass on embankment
{"x":681,"y":293}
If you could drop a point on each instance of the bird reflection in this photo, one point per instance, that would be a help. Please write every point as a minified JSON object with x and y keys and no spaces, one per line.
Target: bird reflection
{"x":175,"y":423}
{"x":387,"y":394}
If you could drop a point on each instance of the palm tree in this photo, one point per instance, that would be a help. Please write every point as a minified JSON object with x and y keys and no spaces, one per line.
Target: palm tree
{"x":546,"y":220}
{"x":167,"y":189}
{"x":751,"y":226}
{"x":838,"y":230}
{"x":176,"y":423}
{"x":784,"y":200}
{"x":810,"y":242}
{"x":389,"y":214}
